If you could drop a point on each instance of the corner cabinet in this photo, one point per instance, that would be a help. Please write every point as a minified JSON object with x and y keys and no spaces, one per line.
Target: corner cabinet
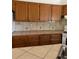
{"x":33,"y":12}
{"x":21,"y":11}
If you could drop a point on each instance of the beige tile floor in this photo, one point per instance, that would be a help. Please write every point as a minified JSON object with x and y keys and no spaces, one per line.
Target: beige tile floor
{"x":36,"y":52}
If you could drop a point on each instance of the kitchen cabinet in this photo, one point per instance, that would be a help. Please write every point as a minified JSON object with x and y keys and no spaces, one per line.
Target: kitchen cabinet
{"x":56,"y":12}
{"x":45,"y":39}
{"x":19,"y":41}
{"x":13,"y":5}
{"x":25,"y":40}
{"x":56,"y":38}
{"x":21,"y":11}
{"x":33,"y":12}
{"x":45,"y":12}
{"x":33,"y":40}
{"x":65,"y":9}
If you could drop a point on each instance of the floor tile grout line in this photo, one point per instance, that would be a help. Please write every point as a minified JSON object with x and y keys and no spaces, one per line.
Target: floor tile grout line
{"x":29,"y":53}
{"x":27,"y":50}
{"x":47,"y":52}
{"x":36,"y":55}
{"x":20,"y":49}
{"x":20,"y":55}
{"x":33,"y":54}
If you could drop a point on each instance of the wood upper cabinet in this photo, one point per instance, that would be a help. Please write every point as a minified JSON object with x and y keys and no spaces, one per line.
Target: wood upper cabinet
{"x":65,"y":9}
{"x":21,"y":11}
{"x":33,"y":12}
{"x":45,"y":12}
{"x":13,"y":5}
{"x":56,"y":12}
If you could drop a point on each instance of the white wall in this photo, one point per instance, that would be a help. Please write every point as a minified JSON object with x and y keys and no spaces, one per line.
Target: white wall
{"x":57,"y":2}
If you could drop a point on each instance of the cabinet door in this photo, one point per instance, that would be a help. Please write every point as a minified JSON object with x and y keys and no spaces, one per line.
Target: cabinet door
{"x":65,"y":9}
{"x":45,"y":39}
{"x":18,"y":41}
{"x":33,"y":40}
{"x":56,"y":38}
{"x":56,"y":12}
{"x":13,"y":5}
{"x":45,"y":12}
{"x":21,"y":11}
{"x":33,"y":12}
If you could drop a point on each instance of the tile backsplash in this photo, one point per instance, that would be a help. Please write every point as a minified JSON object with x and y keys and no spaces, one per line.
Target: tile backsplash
{"x":26,"y":26}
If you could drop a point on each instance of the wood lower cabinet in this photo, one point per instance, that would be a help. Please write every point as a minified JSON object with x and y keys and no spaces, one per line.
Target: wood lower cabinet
{"x":45,"y":39}
{"x":56,"y":38}
{"x":45,"y":12}
{"x":23,"y":41}
{"x":19,"y":41}
{"x":21,"y":13}
{"x":34,"y":40}
{"x":33,"y":12}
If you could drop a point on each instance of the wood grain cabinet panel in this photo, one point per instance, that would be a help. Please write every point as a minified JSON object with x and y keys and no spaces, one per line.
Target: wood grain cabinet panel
{"x":65,"y":9}
{"x":21,"y":11}
{"x":45,"y":39}
{"x":56,"y":12}
{"x":33,"y":40}
{"x":56,"y":38}
{"x":19,"y":41}
{"x":13,"y":5}
{"x":45,"y":12}
{"x":33,"y":12}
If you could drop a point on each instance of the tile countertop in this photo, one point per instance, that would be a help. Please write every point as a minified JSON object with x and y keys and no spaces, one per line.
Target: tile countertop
{"x":37,"y":52}
{"x":37,"y":32}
